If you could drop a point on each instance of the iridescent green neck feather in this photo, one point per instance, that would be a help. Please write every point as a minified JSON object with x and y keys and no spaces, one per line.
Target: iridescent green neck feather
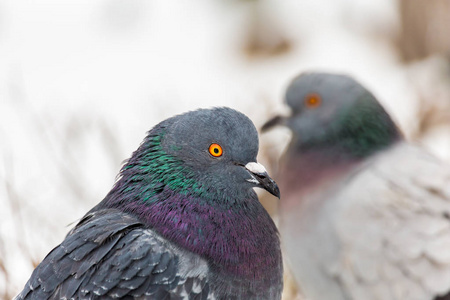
{"x":358,"y":131}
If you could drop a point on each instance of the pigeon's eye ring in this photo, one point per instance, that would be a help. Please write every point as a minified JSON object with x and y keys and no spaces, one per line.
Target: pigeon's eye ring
{"x":215,"y":150}
{"x":313,"y":100}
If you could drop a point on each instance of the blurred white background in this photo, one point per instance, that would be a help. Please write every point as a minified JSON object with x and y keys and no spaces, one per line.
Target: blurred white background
{"x":82,"y":81}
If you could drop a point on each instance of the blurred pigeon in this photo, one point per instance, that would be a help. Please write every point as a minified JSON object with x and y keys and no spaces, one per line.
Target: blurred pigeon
{"x":181,"y":222}
{"x":364,"y":214}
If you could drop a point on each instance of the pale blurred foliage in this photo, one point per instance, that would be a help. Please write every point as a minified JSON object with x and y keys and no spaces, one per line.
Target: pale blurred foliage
{"x":82,"y":81}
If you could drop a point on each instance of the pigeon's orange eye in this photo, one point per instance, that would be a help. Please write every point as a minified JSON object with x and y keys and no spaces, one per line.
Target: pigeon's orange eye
{"x":215,"y":150}
{"x":312,"y":101}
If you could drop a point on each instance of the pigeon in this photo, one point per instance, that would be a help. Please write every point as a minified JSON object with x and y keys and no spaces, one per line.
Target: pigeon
{"x":364,"y":215}
{"x":182,"y":221}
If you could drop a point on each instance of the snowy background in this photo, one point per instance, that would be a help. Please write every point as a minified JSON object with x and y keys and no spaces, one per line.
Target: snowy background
{"x":82,"y":81}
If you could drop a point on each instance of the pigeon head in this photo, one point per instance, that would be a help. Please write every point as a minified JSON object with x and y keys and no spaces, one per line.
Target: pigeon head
{"x":218,"y":149}
{"x":335,"y":111}
{"x":207,"y":153}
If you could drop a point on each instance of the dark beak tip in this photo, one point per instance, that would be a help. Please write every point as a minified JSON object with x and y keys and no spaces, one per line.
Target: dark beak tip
{"x":271,"y":123}
{"x":269,"y":185}
{"x":277,"y":192}
{"x":274,"y":190}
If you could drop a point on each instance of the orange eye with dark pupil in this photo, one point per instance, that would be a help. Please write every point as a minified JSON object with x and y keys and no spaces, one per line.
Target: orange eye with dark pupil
{"x":312,"y":100}
{"x":215,"y":150}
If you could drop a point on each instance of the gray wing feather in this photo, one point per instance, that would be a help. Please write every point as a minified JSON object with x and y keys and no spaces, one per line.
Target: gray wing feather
{"x":393,"y":224}
{"x":109,"y":254}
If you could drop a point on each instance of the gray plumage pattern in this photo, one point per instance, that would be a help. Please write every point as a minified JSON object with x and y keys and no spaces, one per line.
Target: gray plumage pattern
{"x":364,"y":214}
{"x":110,"y":255}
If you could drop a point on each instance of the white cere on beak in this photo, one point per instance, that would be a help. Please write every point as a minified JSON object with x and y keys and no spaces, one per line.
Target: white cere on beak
{"x":255,"y":167}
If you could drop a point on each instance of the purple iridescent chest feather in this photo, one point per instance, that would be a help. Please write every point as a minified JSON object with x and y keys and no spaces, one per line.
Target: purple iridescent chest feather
{"x":232,"y":237}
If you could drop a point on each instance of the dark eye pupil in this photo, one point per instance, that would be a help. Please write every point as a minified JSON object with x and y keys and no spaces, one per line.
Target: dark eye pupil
{"x":216,"y":150}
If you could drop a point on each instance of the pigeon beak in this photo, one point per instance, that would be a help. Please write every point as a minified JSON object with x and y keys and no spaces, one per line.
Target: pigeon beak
{"x":275,"y":121}
{"x":262,"y":179}
{"x":284,"y":114}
